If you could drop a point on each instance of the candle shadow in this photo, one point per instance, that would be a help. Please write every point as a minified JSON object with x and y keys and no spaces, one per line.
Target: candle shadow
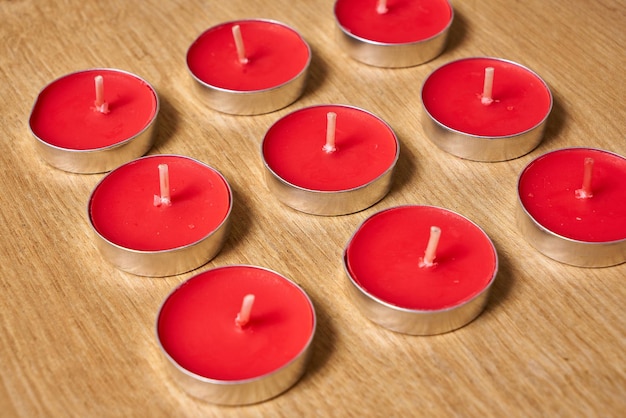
{"x":238,"y":229}
{"x":167,"y":121}
{"x":556,"y":119}
{"x":317,"y":74}
{"x":502,"y":285}
{"x":457,"y":32}
{"x":405,"y":168}
{"x":323,"y":342}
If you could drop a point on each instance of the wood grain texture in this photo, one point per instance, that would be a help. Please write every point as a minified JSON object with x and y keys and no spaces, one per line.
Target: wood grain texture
{"x":78,"y":335}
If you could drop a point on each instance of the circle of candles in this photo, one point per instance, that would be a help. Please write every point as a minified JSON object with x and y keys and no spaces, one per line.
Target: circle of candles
{"x":94,"y":120}
{"x":571,"y":206}
{"x":420,"y":270}
{"x":485,"y":109}
{"x":394,"y":33}
{"x":236,"y":335}
{"x":249,"y":67}
{"x":330,"y":159}
{"x":160,"y":215}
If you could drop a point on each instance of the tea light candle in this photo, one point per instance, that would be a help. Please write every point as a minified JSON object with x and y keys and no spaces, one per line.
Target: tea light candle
{"x":420,"y":270}
{"x":572,"y":206}
{"x":329,"y":159}
{"x":236,"y":335}
{"x":160,"y":215}
{"x":394,"y":33}
{"x":249,"y":67}
{"x":94,"y":120}
{"x":485,"y":109}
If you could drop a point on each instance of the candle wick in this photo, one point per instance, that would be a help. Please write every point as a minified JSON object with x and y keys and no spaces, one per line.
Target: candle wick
{"x":241,"y":49}
{"x":100,"y":105}
{"x":164,"y":186}
{"x":381,"y":7}
{"x":585,"y":191}
{"x":331,"y":127}
{"x":431,"y":248}
{"x":486,"y":97}
{"x":243,"y":317}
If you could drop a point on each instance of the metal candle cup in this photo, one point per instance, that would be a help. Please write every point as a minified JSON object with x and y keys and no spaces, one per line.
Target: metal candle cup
{"x":406,"y":35}
{"x":211,"y":359}
{"x":583,"y":232}
{"x":391,"y":288}
{"x":73,"y":136}
{"x":456,"y":120}
{"x":274,"y":76}
{"x":139,"y":238}
{"x":354,"y":177}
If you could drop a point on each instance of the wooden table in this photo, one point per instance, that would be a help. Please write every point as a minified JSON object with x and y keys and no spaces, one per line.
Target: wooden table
{"x":78,"y":335}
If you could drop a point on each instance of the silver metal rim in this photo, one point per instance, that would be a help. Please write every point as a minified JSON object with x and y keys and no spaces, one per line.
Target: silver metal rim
{"x":563,"y":249}
{"x":264,"y":100}
{"x":339,"y":202}
{"x":417,"y":321}
{"x":245,"y":391}
{"x":82,"y":161}
{"x":145,"y":260}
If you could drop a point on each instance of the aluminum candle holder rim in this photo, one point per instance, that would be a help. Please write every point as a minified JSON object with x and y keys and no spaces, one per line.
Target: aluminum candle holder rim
{"x":519,"y":199}
{"x":525,"y":218}
{"x":333,"y":194}
{"x":379,"y":43}
{"x":403,"y":314}
{"x":247,"y":92}
{"x":180,"y":251}
{"x":72,"y":152}
{"x":564,"y":238}
{"x":330,"y":192}
{"x":182,"y":247}
{"x":230,"y":198}
{"x":489,"y":137}
{"x":485,"y":148}
{"x":390,"y":54}
{"x":252,"y":102}
{"x":240,"y":384}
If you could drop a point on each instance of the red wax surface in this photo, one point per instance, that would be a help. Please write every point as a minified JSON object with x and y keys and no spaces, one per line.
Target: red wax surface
{"x":406,"y":21}
{"x":384,"y":254}
{"x":293,"y":148}
{"x":276,"y":54}
{"x":547,"y":191}
{"x":122,"y":206}
{"x":196,"y":324}
{"x":452,"y":93}
{"x":64,"y":114}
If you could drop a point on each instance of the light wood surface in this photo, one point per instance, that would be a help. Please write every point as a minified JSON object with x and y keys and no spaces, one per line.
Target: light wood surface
{"x":78,"y":335}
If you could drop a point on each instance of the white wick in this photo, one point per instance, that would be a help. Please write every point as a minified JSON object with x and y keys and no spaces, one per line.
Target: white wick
{"x":243,"y":317}
{"x":241,"y":49}
{"x":431,"y":249}
{"x":585,"y":191}
{"x":486,"y":97}
{"x":100,"y":104}
{"x":331,"y":125}
{"x":381,"y":7}
{"x":164,"y":186}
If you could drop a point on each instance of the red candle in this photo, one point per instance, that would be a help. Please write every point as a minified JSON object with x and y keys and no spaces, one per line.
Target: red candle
{"x":578,"y":194}
{"x":394,"y":33}
{"x":404,"y":21}
{"x":199,"y":329}
{"x":391,"y":260}
{"x":452,"y":96}
{"x":296,"y":150}
{"x":461,"y":120}
{"x":125,"y":212}
{"x":66,"y":116}
{"x":258,"y":57}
